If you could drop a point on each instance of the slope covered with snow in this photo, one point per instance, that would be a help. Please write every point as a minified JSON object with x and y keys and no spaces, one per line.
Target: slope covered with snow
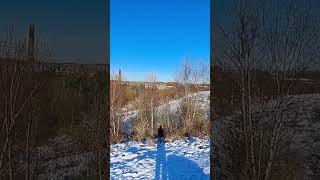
{"x":182,"y":159}
{"x":301,"y":114}
{"x":201,"y":99}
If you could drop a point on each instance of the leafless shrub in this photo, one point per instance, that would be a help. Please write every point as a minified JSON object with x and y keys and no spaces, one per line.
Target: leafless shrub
{"x":117,"y":92}
{"x":92,"y":133}
{"x":142,"y":123}
{"x":273,"y":48}
{"x":20,"y":87}
{"x":191,"y":116}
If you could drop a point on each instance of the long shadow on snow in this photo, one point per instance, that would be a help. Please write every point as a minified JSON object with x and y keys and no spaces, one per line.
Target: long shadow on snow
{"x":176,"y":167}
{"x":161,"y":162}
{"x":182,"y":168}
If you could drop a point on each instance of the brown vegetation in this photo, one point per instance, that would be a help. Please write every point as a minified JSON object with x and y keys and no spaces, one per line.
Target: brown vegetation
{"x":37,"y":106}
{"x":263,"y":55}
{"x":187,"y":120}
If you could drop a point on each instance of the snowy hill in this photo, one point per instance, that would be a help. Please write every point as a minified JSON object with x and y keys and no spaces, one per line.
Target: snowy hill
{"x":182,"y":159}
{"x":202,"y":100}
{"x":302,"y":114}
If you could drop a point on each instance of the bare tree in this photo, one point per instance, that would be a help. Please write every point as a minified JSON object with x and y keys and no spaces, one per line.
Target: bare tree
{"x":20,"y":87}
{"x":117,"y":93}
{"x":292,"y":39}
{"x":252,"y":41}
{"x":142,"y":123}
{"x":151,"y":82}
{"x":190,"y":75}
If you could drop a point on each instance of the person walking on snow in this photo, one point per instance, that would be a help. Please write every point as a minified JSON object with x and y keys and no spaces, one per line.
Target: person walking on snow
{"x":160,"y":134}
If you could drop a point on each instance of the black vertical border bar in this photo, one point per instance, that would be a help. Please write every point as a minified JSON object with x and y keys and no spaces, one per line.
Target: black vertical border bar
{"x":212,"y":55}
{"x":108,"y":86}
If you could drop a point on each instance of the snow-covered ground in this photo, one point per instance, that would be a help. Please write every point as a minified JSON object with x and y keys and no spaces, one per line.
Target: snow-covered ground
{"x":302,"y":116}
{"x":181,"y":159}
{"x":202,"y":99}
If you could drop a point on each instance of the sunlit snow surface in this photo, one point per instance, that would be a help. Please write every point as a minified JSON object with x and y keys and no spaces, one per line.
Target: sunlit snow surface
{"x":181,"y":159}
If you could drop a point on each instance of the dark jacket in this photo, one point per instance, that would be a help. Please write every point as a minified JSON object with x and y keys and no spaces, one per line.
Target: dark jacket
{"x":160,"y":132}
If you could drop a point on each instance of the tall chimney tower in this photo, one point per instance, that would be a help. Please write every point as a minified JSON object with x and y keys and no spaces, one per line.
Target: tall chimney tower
{"x":120,"y":75}
{"x":30,"y":50}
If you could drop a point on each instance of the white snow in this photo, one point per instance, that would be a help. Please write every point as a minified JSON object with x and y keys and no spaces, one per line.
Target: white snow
{"x":301,"y":114}
{"x":201,"y":98}
{"x":181,"y":159}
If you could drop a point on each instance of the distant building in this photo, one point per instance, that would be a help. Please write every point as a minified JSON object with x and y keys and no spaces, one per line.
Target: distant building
{"x":90,"y":70}
{"x":158,"y":85}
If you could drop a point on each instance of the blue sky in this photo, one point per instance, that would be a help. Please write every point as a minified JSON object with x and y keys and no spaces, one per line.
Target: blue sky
{"x":155,"y":35}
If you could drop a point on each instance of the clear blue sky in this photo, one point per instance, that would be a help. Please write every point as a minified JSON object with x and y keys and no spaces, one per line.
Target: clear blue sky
{"x":155,"y":35}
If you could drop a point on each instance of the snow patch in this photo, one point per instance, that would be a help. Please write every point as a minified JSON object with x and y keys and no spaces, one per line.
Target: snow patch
{"x":181,"y":159}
